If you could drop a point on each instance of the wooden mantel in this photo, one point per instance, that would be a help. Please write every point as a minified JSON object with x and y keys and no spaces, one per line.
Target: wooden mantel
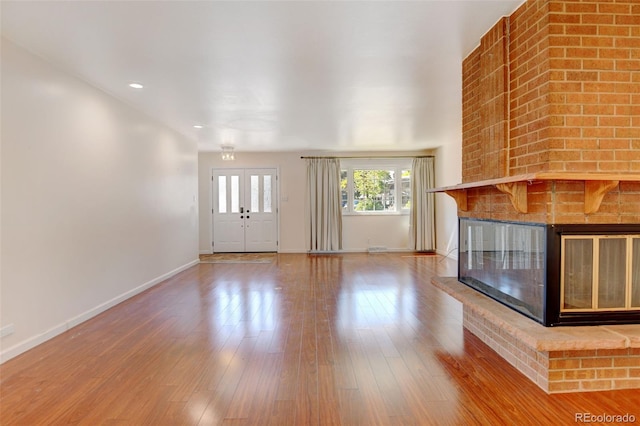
{"x":596,"y":186}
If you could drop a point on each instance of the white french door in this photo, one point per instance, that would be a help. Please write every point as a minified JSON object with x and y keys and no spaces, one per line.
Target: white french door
{"x":245,"y":214}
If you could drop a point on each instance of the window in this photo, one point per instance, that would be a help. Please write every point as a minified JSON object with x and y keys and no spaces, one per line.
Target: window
{"x":380,"y":186}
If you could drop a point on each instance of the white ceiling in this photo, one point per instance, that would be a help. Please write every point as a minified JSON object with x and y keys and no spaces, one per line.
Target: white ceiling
{"x":270,"y":76}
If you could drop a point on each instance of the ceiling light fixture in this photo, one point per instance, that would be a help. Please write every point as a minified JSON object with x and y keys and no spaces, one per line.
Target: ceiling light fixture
{"x":227,"y":153}
{"x":136,"y":85}
{"x":197,"y":126}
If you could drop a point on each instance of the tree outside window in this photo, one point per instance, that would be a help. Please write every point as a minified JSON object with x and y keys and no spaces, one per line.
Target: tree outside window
{"x":375,"y":189}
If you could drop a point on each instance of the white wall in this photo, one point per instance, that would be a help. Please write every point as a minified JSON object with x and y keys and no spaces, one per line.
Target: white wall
{"x":448,"y":167}
{"x":98,"y":201}
{"x":359,"y":232}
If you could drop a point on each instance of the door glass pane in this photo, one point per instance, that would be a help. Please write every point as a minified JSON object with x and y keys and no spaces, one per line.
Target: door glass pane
{"x":267,"y":194}
{"x":222,"y":194}
{"x":635,"y":274}
{"x":255,"y":193}
{"x":578,"y":274}
{"x":235,"y":194}
{"x":612,"y":278}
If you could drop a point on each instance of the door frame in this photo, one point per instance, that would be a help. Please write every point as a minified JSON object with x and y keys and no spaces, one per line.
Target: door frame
{"x":277,"y":201}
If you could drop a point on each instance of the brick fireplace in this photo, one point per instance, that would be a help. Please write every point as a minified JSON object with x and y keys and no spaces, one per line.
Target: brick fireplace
{"x":549,"y":201}
{"x":551,"y":138}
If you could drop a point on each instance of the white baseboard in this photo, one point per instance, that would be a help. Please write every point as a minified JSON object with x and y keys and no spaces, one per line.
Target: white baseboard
{"x":206,"y":251}
{"x":354,"y":250}
{"x":34,"y":341}
{"x":374,"y":250}
{"x":361,"y":250}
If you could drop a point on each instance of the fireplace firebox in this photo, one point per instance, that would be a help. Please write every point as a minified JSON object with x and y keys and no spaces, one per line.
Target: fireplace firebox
{"x":555,"y":274}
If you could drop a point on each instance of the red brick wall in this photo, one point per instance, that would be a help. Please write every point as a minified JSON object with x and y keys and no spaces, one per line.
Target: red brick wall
{"x":529,"y":88}
{"x":485,"y":107}
{"x":594,"y":56}
{"x":573,"y":106}
{"x":494,"y":81}
{"x":471,"y":143}
{"x":489,"y":203}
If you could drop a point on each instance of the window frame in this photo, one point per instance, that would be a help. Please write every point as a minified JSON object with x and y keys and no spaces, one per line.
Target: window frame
{"x":397,"y":165}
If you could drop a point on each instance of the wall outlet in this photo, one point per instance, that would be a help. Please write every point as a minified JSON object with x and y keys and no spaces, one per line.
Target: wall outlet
{"x":7,"y":330}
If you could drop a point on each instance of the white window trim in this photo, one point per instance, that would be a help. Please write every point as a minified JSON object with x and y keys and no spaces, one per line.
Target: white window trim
{"x":396,"y":164}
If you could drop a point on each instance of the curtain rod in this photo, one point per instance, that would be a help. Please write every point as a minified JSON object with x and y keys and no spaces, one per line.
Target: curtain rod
{"x":373,"y":158}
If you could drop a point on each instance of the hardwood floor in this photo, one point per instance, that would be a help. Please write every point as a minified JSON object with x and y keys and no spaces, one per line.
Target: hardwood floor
{"x":352,"y":339}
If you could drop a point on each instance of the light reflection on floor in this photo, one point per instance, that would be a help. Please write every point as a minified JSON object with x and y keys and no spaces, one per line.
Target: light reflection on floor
{"x":363,"y":312}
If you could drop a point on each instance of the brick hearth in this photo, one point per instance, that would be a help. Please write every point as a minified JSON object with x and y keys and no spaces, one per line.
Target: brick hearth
{"x":560,"y":359}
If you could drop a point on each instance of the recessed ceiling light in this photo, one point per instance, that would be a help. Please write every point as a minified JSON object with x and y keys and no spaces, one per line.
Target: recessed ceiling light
{"x":197,"y":126}
{"x":136,"y":85}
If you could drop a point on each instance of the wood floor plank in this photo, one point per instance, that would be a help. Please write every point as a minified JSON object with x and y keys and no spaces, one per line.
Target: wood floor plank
{"x":253,"y":387}
{"x":328,"y":404}
{"x":225,"y":389}
{"x":282,"y":413}
{"x":351,"y":339}
{"x":370,"y":393}
{"x":352,"y":407}
{"x":306,"y":394}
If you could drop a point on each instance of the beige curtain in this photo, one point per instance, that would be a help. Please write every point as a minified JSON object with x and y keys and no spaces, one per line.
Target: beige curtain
{"x":422,"y":236}
{"x":324,"y":213}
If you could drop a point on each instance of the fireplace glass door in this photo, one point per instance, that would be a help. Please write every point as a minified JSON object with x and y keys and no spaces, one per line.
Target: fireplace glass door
{"x":578,"y":273}
{"x":505,"y":261}
{"x":600,"y":273}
